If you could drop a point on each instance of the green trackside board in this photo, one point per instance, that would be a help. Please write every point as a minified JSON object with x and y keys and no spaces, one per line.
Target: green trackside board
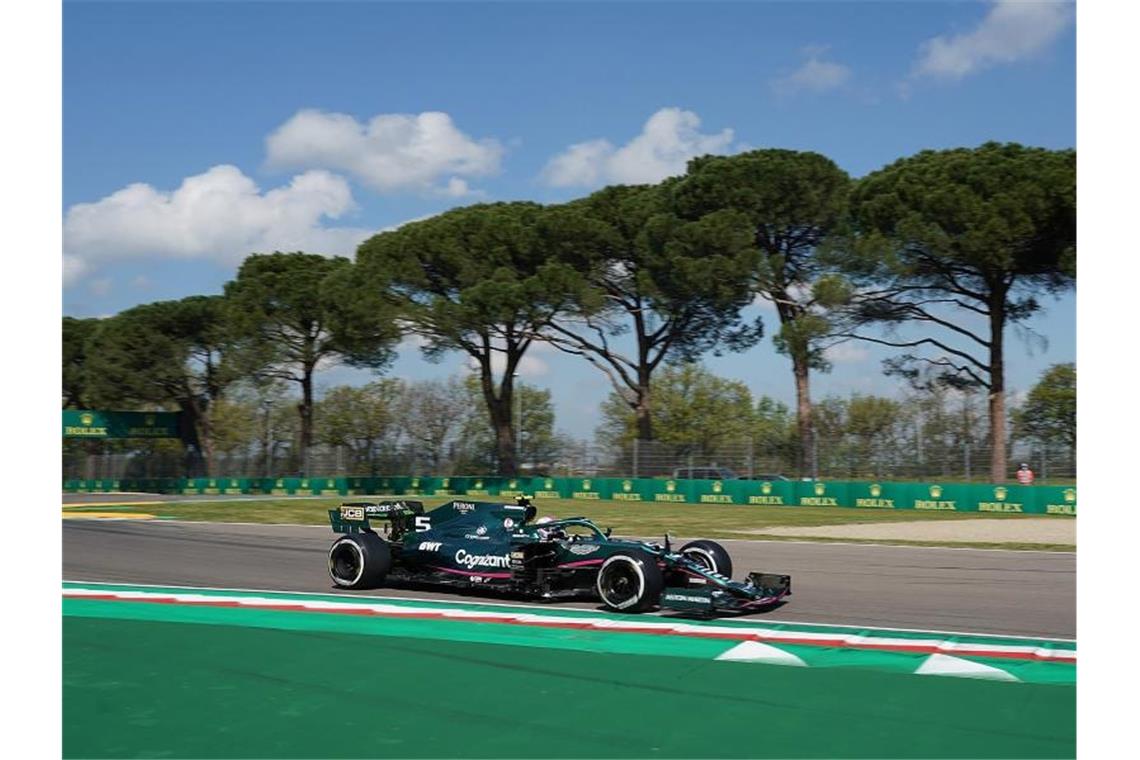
{"x":149,"y":679}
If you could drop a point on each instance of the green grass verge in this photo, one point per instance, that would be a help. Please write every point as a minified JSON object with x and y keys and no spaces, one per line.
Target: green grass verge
{"x":626,"y":518}
{"x":152,"y":689}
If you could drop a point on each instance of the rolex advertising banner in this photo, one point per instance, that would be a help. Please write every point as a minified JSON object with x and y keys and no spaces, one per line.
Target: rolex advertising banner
{"x":85,"y":423}
{"x":593,"y":489}
{"x":948,"y":497}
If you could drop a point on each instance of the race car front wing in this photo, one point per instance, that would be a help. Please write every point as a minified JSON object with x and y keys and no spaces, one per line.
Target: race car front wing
{"x":760,"y":590}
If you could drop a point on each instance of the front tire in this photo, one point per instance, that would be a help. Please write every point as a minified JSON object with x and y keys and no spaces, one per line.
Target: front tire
{"x":359,"y":560}
{"x":630,"y":581}
{"x":712,"y":555}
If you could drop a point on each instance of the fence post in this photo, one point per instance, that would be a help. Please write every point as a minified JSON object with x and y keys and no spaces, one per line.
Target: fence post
{"x":1044,"y":460}
{"x":968,"y":477}
{"x":636,"y":450}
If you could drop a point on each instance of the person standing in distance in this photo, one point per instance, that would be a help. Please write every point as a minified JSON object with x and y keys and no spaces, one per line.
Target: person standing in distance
{"x":1024,"y":475}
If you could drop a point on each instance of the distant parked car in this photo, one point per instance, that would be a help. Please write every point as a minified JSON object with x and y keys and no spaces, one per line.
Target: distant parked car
{"x":769,"y":478}
{"x":705,"y":473}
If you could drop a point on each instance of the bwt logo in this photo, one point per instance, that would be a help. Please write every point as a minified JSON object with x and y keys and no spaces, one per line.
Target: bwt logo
{"x":430,"y":546}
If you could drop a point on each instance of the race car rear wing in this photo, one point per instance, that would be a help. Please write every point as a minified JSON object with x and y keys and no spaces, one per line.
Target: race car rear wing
{"x":355,"y":516}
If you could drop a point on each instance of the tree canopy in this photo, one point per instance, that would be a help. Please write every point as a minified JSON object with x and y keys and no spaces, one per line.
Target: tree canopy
{"x":282,"y":314}
{"x":649,"y":286}
{"x":1049,"y":414}
{"x":169,"y":353}
{"x":478,"y":279}
{"x":962,"y":242}
{"x":793,"y":202}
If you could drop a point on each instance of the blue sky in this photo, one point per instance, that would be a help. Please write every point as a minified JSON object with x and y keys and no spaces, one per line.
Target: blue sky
{"x":197,"y":133}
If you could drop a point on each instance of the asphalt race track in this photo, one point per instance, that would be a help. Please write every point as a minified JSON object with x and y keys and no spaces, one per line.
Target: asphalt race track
{"x":961,"y":590}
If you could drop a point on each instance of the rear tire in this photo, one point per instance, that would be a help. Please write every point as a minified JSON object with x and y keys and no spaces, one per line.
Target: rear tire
{"x":359,"y":560}
{"x":630,"y":581}
{"x":710,"y":554}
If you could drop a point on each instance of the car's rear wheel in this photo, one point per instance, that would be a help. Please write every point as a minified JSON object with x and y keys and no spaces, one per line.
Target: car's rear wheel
{"x":710,"y":555}
{"x":630,"y":581}
{"x":359,"y":560}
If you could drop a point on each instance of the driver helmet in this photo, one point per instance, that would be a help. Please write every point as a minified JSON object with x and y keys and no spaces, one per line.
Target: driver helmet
{"x":545,"y":533}
{"x":1024,"y":466}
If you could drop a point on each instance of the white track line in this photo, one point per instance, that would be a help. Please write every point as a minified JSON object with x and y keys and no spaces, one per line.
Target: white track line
{"x":547,"y":607}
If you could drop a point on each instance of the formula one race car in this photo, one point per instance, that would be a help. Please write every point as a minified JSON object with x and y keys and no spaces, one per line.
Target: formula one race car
{"x":501,"y":546}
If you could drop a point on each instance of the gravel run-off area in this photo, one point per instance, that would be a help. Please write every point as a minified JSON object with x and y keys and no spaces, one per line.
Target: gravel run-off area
{"x":1032,"y":530}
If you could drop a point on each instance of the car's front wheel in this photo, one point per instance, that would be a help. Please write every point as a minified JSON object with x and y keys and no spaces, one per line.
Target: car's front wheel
{"x":359,"y":560}
{"x":710,"y":555}
{"x":630,"y":581}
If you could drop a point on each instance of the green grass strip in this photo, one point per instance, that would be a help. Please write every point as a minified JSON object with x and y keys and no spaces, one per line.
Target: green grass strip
{"x":143,"y":688}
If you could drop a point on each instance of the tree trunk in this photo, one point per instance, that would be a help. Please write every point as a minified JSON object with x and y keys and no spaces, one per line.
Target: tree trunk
{"x":808,"y":465}
{"x":997,"y":394}
{"x":499,"y":410}
{"x":206,"y":440}
{"x":306,"y":410}
{"x":642,"y":412}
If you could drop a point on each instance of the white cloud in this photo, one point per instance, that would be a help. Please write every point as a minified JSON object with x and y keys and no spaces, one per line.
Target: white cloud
{"x":1012,"y":30}
{"x":668,"y":140}
{"x":391,"y":152}
{"x":220,"y":215}
{"x":529,"y":366}
{"x":813,"y":75}
{"x":101,"y":286}
{"x":845,"y":353}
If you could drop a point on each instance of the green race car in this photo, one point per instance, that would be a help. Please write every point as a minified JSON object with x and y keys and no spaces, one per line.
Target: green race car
{"x":501,"y":546}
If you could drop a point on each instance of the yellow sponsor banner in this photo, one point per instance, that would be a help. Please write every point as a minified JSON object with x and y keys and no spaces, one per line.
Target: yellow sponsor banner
{"x":931,"y":504}
{"x":999,"y":506}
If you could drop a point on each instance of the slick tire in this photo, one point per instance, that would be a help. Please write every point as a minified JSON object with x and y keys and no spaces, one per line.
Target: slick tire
{"x":359,"y":560}
{"x":710,"y":554}
{"x":630,"y":581}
